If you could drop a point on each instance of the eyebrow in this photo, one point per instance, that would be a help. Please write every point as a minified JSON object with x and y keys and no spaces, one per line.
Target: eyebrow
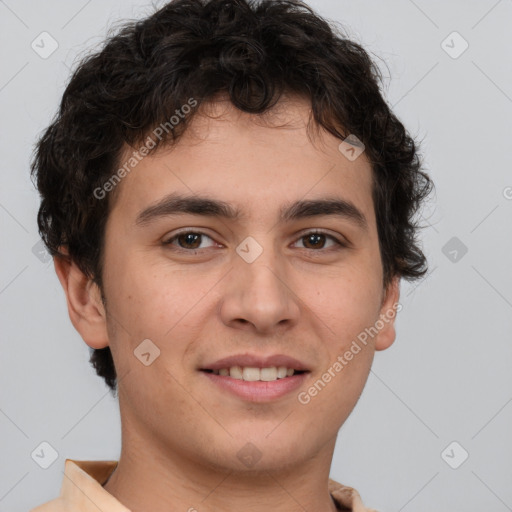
{"x":178,"y":204}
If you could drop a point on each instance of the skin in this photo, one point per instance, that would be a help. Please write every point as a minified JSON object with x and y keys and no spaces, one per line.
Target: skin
{"x":180,"y":433}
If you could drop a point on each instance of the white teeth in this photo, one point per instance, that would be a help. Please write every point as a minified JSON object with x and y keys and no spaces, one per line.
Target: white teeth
{"x":252,"y":374}
{"x":268,"y":374}
{"x":281,"y":372}
{"x":236,"y":372}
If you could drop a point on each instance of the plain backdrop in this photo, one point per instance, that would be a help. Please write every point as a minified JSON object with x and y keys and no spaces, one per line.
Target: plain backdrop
{"x":441,"y":393}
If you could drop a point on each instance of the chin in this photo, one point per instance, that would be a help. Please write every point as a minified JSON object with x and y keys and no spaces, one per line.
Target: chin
{"x":259,"y":451}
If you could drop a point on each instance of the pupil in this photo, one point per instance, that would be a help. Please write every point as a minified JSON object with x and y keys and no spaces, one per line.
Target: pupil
{"x":190,"y":238}
{"x":313,"y":237}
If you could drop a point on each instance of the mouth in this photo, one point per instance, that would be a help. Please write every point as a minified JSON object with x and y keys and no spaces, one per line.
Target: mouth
{"x":257,"y":379}
{"x":252,"y":367}
{"x":255,"y":374}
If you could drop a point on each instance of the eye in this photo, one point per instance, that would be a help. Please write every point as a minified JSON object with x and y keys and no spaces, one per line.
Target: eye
{"x":316,"y":240}
{"x":188,"y":240}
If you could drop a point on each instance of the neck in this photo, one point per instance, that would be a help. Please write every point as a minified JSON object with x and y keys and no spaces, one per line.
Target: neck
{"x":148,"y":478}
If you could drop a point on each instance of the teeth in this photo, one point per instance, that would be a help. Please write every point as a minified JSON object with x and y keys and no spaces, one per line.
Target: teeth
{"x":235,"y":372}
{"x":268,"y":374}
{"x":252,"y":374}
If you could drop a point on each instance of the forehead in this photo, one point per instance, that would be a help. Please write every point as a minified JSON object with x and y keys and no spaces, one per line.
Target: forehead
{"x":249,"y":160}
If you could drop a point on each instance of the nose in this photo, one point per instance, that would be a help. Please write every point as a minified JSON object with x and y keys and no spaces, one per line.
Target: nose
{"x":259,"y":296}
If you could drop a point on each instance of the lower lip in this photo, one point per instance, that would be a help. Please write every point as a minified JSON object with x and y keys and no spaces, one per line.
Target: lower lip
{"x":258,"y":391}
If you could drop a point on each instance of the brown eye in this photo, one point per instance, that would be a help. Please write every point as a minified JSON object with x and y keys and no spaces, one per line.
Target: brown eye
{"x":314,"y":241}
{"x":317,"y":240}
{"x":187,"y":240}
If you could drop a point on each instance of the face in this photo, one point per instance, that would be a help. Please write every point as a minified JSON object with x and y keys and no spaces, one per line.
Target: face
{"x":276,"y":286}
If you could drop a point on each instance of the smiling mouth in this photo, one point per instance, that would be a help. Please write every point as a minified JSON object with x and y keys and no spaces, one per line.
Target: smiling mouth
{"x":255,"y":374}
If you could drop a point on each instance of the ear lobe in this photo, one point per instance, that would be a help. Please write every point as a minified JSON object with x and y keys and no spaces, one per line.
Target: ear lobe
{"x":388,"y":312}
{"x":83,"y":297}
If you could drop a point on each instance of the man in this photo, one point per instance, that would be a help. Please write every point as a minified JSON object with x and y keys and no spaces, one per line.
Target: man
{"x":229,"y":202}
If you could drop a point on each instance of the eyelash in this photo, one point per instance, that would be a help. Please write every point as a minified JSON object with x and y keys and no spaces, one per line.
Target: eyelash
{"x":339,"y":243}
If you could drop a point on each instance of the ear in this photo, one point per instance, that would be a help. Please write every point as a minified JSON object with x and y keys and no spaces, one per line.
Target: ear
{"x":85,"y":307}
{"x":388,"y":312}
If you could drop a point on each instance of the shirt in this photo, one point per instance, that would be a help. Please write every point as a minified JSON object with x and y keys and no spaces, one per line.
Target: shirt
{"x":82,"y":490}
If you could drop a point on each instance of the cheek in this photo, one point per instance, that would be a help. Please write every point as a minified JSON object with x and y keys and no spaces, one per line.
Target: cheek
{"x":347,"y":309}
{"x":141,"y":295}
{"x":348,"y":304}
{"x":164,"y":306}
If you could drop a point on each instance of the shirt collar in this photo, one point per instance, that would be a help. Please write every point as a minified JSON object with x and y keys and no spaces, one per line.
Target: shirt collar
{"x":82,"y":486}
{"x":347,"y":498}
{"x":83,"y":480}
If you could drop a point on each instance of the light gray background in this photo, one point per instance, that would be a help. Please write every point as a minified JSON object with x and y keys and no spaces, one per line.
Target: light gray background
{"x":447,"y":377}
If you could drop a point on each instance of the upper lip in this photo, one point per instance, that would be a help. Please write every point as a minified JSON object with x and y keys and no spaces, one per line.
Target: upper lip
{"x":255,"y":361}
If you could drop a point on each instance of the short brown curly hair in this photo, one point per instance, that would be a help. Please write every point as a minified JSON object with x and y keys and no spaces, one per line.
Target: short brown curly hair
{"x":253,"y":51}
